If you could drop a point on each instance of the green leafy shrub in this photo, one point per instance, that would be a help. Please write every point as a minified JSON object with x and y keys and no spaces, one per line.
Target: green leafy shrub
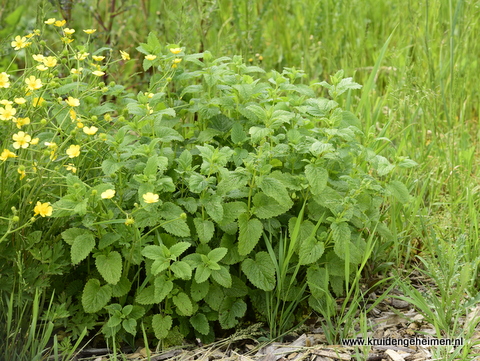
{"x":169,"y":207}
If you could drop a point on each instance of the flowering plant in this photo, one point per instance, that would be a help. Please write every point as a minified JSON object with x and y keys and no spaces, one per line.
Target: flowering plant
{"x":151,"y":206}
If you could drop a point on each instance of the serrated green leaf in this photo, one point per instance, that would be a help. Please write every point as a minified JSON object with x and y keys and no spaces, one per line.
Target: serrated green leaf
{"x":199,"y":290}
{"x":222,"y":276}
{"x":177,"y":227}
{"x":200,"y":323}
{"x":122,"y":287}
{"x":213,"y":206}
{"x":317,"y":178}
{"x":136,"y":312}
{"x":146,"y":296}
{"x":185,"y":161}
{"x":160,"y":265}
{"x":181,"y":270}
{"x":238,"y":135}
{"x":250,"y":231}
{"x":94,"y":296}
{"x":166,"y":134}
{"x":205,"y":229}
{"x":217,"y":254}
{"x":267,"y":207}
{"x":214,"y":297}
{"x":155,"y":252}
{"x":258,"y":134}
{"x":230,"y":311}
{"x":107,"y":239}
{"x":202,"y":273}
{"x":161,"y":325}
{"x":310,"y":251}
{"x":183,"y":303}
{"x":162,"y":288}
{"x":238,"y":288}
{"x":197,"y":183}
{"x":317,"y":280}
{"x":274,"y":188}
{"x":70,"y":234}
{"x":110,"y":166}
{"x":261,"y":271}
{"x":81,"y":247}
{"x":110,"y":266}
{"x":177,"y":249}
{"x":130,"y":325}
{"x":340,"y":231}
{"x":399,"y":191}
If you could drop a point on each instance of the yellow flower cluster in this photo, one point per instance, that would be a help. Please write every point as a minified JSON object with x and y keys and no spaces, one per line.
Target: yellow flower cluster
{"x":4,"y":80}
{"x":46,"y":62}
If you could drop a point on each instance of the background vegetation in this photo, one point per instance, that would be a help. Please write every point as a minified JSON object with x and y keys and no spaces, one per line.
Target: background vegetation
{"x":420,"y":102}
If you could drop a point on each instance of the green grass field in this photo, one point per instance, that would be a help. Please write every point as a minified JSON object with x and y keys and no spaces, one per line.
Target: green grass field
{"x":418,"y":62}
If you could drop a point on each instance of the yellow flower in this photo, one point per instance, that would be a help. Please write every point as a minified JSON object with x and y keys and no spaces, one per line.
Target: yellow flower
{"x":73,"y":102}
{"x":82,"y":55}
{"x":71,"y":168}
{"x":98,"y":73}
{"x":41,"y":67}
{"x":38,"y":57}
{"x":89,"y":31}
{"x":80,"y":125}
{"x":90,"y":131}
{"x":33,"y":83}
{"x":37,"y":102}
{"x":20,"y":42}
{"x":21,"y":139}
{"x":50,"y":21}
{"x":150,"y":95}
{"x":98,"y":57}
{"x":151,"y":57}
{"x":20,"y":101}
{"x":43,"y":209}
{"x":76,"y":71}
{"x":4,"y":82}
{"x":66,"y":40}
{"x":177,"y":60}
{"x":22,"y":173}
{"x":176,"y":50}
{"x":7,"y":113}
{"x":34,"y":141}
{"x":150,"y":197}
{"x":21,"y":122}
{"x":7,"y":154}
{"x":73,"y":151}
{"x":125,"y":55}
{"x":68,"y":31}
{"x":34,"y":33}
{"x":73,"y":114}
{"x":50,"y":61}
{"x":108,"y":194}
{"x":60,"y":23}
{"x":5,"y":102}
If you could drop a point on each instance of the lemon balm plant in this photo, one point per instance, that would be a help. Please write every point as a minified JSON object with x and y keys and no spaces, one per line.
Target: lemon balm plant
{"x":146,"y":210}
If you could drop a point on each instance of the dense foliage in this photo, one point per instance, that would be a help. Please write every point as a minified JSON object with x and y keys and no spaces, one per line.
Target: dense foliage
{"x":180,"y":206}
